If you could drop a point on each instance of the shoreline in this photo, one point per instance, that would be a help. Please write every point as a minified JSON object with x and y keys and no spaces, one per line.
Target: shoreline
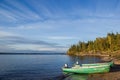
{"x":104,"y":57}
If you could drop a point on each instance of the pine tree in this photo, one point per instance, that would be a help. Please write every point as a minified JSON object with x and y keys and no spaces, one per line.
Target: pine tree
{"x":109,"y":43}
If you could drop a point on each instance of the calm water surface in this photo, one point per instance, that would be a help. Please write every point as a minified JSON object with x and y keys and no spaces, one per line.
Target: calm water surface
{"x":39,"y":67}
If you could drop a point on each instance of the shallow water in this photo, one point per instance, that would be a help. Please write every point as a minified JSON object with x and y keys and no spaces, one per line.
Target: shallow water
{"x":39,"y":67}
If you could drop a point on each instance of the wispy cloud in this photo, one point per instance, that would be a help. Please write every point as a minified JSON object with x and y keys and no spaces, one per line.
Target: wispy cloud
{"x":21,"y":40}
{"x":13,"y":12}
{"x":61,"y":37}
{"x":13,"y":42}
{"x":33,"y":47}
{"x":24,"y":12}
{"x":5,"y":34}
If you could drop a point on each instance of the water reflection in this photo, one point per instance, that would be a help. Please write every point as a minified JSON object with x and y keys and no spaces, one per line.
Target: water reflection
{"x":77,"y":77}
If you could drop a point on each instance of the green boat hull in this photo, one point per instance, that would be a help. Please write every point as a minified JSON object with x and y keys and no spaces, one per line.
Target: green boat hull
{"x":87,"y":70}
{"x":95,"y":64}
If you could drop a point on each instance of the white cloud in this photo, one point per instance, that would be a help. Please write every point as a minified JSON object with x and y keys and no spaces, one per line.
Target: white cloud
{"x":6,"y":34}
{"x":34,"y":47}
{"x":23,"y":27}
{"x":61,"y":37}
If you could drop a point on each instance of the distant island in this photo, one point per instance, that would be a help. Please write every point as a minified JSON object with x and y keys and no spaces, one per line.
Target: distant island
{"x":5,"y":53}
{"x":109,"y":45}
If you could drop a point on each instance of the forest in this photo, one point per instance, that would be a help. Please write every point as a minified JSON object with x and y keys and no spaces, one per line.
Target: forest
{"x":103,"y":45}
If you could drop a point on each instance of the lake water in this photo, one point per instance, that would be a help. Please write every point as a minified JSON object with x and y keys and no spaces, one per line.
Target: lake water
{"x":39,"y":67}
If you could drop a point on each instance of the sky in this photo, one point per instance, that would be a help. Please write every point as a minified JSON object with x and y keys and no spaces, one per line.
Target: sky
{"x":54,"y":25}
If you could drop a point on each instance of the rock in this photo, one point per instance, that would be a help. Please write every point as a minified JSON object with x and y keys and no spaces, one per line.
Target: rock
{"x":117,"y":62}
{"x":106,"y":58}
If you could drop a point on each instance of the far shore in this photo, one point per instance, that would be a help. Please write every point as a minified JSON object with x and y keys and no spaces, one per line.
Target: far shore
{"x":99,"y":55}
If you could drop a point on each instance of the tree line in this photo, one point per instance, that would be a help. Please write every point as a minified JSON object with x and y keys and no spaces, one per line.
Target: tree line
{"x":107,"y":44}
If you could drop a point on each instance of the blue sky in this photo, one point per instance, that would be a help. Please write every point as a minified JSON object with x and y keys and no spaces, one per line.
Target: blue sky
{"x":54,"y":25}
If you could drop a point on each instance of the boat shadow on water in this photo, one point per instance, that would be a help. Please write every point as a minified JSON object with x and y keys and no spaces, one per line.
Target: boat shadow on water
{"x":72,"y":76}
{"x":77,"y":77}
{"x":115,"y":68}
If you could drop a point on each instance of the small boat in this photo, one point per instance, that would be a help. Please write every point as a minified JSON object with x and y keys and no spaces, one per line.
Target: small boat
{"x":87,"y":68}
